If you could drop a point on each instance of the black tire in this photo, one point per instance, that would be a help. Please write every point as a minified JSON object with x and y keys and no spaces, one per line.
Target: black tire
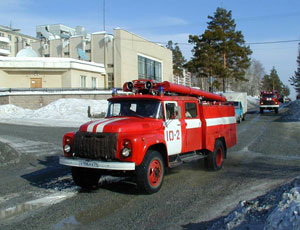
{"x":276,"y":110}
{"x":261,"y":110}
{"x":85,"y":177}
{"x":150,"y":174}
{"x":243,"y":118}
{"x":214,"y":160}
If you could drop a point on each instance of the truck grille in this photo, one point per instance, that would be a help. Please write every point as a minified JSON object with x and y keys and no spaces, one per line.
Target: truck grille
{"x":269,"y":103}
{"x":100,"y":146}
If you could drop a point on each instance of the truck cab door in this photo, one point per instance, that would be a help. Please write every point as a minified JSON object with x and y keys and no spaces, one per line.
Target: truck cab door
{"x":173,"y":129}
{"x":193,"y":127}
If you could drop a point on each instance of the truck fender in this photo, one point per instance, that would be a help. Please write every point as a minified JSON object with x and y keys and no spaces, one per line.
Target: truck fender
{"x":154,"y":143}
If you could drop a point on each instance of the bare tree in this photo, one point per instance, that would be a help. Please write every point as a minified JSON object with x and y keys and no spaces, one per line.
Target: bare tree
{"x":253,"y":78}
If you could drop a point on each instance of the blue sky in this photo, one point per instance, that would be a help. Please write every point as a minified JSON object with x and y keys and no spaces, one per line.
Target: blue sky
{"x":164,"y":20}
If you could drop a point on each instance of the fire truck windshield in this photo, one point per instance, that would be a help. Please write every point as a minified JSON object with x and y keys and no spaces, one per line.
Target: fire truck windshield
{"x":269,"y":95}
{"x":136,"y":108}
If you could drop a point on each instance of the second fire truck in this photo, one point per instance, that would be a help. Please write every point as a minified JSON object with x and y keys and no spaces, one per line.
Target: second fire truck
{"x":269,"y":100}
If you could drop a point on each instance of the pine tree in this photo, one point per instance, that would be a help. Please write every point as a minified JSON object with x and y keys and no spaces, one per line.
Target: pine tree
{"x":220,"y":51}
{"x":178,"y":58}
{"x":295,"y":80}
{"x":272,"y":82}
{"x":285,"y":91}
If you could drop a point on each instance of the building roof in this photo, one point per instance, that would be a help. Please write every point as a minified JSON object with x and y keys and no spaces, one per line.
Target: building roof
{"x":15,"y":31}
{"x":33,"y":63}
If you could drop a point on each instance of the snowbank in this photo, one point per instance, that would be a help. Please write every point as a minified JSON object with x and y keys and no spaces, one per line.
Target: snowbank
{"x":63,"y":112}
{"x":279,"y":209}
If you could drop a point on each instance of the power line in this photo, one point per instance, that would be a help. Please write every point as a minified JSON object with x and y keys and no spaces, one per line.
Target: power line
{"x":247,"y":43}
{"x":271,"y":42}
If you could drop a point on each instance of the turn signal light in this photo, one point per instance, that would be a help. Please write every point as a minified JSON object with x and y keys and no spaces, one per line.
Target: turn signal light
{"x":67,"y":144}
{"x":126,"y":148}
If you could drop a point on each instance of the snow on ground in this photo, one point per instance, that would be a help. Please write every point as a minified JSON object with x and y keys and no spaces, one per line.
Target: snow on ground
{"x":279,"y":209}
{"x":63,"y":112}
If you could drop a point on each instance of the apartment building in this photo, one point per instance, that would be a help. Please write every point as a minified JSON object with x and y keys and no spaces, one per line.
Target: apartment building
{"x":12,"y":41}
{"x":125,"y":56}
{"x":118,"y":57}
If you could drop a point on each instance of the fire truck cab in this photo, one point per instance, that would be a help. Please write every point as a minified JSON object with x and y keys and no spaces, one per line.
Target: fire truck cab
{"x":158,"y":126}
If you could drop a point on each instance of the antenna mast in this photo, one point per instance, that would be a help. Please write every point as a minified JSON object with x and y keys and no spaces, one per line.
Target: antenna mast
{"x":104,"y":15}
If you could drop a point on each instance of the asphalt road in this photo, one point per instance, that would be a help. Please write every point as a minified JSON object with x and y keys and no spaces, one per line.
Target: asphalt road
{"x":37,"y":193}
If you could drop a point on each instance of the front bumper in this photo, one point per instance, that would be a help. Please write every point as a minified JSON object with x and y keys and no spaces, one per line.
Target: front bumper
{"x":96,"y":164}
{"x":269,"y":106}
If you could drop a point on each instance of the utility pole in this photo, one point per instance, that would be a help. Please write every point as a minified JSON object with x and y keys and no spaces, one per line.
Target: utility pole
{"x":103,"y":15}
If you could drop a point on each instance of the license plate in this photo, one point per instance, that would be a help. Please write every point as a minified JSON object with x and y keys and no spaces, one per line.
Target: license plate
{"x":88,"y":164}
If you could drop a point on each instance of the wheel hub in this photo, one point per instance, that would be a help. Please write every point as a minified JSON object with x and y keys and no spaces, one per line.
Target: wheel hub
{"x":155,"y":173}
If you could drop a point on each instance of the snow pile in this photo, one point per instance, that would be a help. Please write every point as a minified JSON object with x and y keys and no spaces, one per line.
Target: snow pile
{"x":279,"y":209}
{"x":287,"y":213}
{"x":293,"y":114}
{"x":73,"y":109}
{"x":63,"y":112}
{"x":12,"y":111}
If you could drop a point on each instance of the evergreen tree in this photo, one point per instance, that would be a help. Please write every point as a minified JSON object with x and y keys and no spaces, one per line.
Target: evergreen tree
{"x":273,"y":82}
{"x":178,"y":58}
{"x":295,"y":80}
{"x":285,"y":91}
{"x":220,"y":51}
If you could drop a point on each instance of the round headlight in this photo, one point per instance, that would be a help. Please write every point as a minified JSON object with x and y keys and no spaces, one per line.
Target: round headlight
{"x":126,"y":152}
{"x":67,"y":148}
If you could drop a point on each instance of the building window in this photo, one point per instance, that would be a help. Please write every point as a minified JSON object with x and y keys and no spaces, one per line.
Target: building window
{"x":83,"y":81}
{"x":149,"y":69}
{"x":110,"y":80}
{"x":94,"y":82}
{"x":1,"y":34}
{"x":9,"y":37}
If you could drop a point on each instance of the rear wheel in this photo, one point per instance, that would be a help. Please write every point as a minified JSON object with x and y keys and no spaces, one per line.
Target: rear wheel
{"x":243,"y":117}
{"x":150,"y":174}
{"x":85,"y":177}
{"x":214,"y":160}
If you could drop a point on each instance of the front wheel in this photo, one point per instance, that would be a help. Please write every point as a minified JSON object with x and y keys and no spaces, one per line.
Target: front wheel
{"x":85,"y":177}
{"x":214,"y":160}
{"x":276,"y":110}
{"x":261,"y":110}
{"x":150,"y":174}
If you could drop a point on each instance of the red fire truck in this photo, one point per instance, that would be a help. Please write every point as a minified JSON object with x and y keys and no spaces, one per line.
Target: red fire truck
{"x":158,"y":126}
{"x":269,"y":100}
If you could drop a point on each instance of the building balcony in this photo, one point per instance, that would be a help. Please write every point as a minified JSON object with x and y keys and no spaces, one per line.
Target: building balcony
{"x":4,"y":52}
{"x":4,"y":40}
{"x":4,"y":49}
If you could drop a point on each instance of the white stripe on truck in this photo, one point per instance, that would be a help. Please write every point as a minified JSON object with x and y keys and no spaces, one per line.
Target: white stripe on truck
{"x":220,"y":121}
